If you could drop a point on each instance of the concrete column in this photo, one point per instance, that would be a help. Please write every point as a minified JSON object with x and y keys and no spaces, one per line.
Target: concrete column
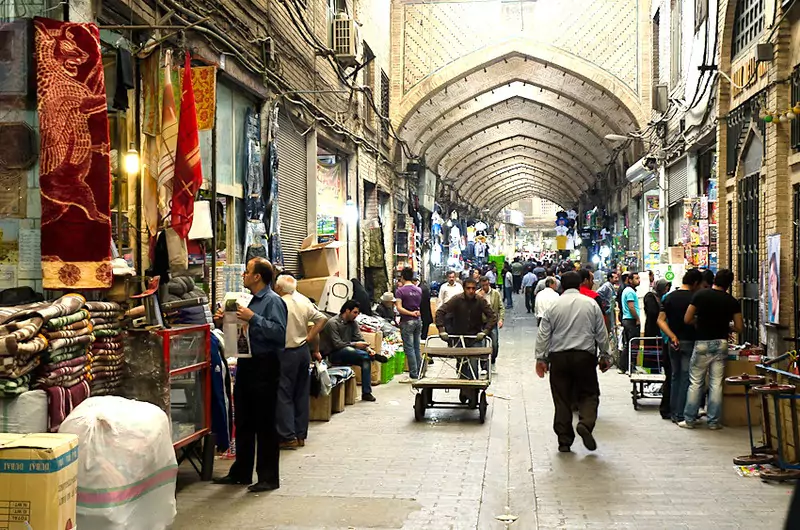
{"x":311,"y":179}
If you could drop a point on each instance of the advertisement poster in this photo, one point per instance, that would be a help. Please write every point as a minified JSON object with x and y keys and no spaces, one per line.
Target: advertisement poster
{"x":773,"y":277}
{"x":329,"y":188}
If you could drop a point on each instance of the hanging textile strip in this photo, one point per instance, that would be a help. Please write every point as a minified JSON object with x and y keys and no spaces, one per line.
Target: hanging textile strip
{"x":74,"y":166}
{"x":204,"y":81}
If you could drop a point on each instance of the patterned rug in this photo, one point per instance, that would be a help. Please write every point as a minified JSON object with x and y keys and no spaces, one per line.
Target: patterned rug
{"x":75,"y":173}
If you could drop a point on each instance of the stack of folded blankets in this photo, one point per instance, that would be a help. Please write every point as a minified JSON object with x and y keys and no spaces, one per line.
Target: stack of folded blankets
{"x":66,"y":363}
{"x":107,"y":350}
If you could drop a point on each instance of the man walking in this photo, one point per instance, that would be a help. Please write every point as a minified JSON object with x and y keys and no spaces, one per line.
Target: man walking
{"x":255,"y":394}
{"x":711,"y":312}
{"x":546,"y":299}
{"x":491,"y":275}
{"x":493,"y":298}
{"x":631,"y":321}
{"x":681,"y":338}
{"x":343,"y":343}
{"x":517,"y":270}
{"x":508,"y":287}
{"x":295,"y":381}
{"x":528,"y":283}
{"x":606,"y":294}
{"x":449,"y":289}
{"x":409,"y":297}
{"x":570,"y":334}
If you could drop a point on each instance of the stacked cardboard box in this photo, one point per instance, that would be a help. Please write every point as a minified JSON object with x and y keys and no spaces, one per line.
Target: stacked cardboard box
{"x":321,"y":281}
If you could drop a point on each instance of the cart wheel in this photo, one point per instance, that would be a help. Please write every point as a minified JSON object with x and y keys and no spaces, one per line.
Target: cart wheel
{"x":419,"y":407}
{"x":482,"y":407}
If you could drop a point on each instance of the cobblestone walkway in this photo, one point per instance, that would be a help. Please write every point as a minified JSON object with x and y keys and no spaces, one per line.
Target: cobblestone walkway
{"x":373,"y":466}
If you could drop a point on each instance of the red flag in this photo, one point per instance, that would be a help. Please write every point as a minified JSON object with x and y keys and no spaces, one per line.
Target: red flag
{"x":188,"y":170}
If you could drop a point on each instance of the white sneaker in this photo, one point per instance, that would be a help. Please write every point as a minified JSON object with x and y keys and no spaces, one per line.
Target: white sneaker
{"x":406,"y":380}
{"x":494,"y":368}
{"x":483,"y":373}
{"x":685,"y":425}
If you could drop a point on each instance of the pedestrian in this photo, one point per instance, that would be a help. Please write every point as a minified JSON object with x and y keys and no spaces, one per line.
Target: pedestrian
{"x":549,"y":273}
{"x":466,"y":314}
{"x":623,"y":283}
{"x":425,"y":308}
{"x":293,"y":403}
{"x":255,"y":394}
{"x":606,"y":294}
{"x":631,"y":321}
{"x":491,"y":274}
{"x":587,"y":282}
{"x":652,"y":307}
{"x":571,"y":333}
{"x":528,"y":282}
{"x":508,"y":288}
{"x":449,"y":289}
{"x":342,"y":342}
{"x":517,"y":270}
{"x":681,"y":337}
{"x":386,"y":308}
{"x":409,"y":298}
{"x":493,"y":298}
{"x":711,"y":312}
{"x":545,"y":299}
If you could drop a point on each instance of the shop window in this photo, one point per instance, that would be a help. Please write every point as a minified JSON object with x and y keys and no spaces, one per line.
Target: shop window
{"x":748,"y":24}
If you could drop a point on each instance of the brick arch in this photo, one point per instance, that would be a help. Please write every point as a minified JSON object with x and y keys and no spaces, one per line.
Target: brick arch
{"x":485,"y":182}
{"x":515,"y":176}
{"x":511,"y":193}
{"x":480,"y":172}
{"x":589,"y":74}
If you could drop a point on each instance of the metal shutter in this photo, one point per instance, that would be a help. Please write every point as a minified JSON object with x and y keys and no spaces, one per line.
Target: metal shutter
{"x":292,"y":191}
{"x":633,"y":224}
{"x":677,"y":183}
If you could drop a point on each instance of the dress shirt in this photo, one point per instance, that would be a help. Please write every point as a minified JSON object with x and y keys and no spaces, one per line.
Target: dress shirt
{"x":301,"y":312}
{"x":540,"y":286}
{"x":545,"y":300}
{"x":528,"y":280}
{"x":267,"y":328}
{"x":447,"y":291}
{"x":606,"y":293}
{"x":574,"y":322}
{"x":338,"y":334}
{"x":491,"y":276}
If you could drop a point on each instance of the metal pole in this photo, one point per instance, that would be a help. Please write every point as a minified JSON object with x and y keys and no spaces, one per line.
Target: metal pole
{"x":214,"y":218}
{"x":139,"y":190}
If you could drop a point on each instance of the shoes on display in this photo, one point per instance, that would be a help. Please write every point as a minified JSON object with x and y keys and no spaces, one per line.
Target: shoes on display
{"x":586,"y":436}
{"x":259,"y":487}
{"x":290,"y":444}
{"x":230,"y":481}
{"x":368,"y":397}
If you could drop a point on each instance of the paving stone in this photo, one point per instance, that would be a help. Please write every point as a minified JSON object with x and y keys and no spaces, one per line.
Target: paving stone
{"x":374,"y":467}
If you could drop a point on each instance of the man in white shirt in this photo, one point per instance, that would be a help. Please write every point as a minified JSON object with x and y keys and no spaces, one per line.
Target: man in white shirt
{"x":449,"y":289}
{"x":546,"y":299}
{"x":491,"y":275}
{"x":293,"y":404}
{"x":528,"y":283}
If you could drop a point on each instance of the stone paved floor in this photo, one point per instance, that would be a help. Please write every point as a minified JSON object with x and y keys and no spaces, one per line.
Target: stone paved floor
{"x":373,"y":466}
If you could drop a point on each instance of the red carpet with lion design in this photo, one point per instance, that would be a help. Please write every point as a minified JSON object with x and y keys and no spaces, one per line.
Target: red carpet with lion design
{"x":75,"y":171}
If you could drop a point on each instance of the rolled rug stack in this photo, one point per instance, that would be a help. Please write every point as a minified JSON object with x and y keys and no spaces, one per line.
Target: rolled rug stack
{"x":107,"y":351}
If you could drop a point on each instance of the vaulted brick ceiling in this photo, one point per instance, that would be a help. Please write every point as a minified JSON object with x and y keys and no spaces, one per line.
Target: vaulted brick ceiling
{"x":517,"y":126}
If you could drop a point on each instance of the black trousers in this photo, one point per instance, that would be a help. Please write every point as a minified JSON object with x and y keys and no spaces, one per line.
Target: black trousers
{"x":255,"y":398}
{"x":630,"y":330}
{"x":573,"y":380}
{"x":517,"y":283}
{"x":529,"y":299}
{"x":666,"y":388}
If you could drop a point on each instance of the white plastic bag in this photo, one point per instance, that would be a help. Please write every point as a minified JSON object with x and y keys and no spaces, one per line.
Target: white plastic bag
{"x":24,"y":414}
{"x":127,"y":466}
{"x":324,"y":378}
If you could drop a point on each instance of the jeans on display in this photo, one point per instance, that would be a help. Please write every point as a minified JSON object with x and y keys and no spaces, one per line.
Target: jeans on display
{"x":680,"y":360}
{"x":507,"y":290}
{"x":353,"y":356}
{"x":708,"y":360}
{"x":411,"y":331}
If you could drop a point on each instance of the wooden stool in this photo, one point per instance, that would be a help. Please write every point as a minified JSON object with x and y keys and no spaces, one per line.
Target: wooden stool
{"x":350,"y":391}
{"x":337,"y":398}
{"x":755,"y":457}
{"x":776,"y":390}
{"x":320,"y":408}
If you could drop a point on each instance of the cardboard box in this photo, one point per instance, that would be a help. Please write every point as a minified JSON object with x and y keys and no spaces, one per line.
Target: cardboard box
{"x":319,"y":259}
{"x":329,"y":293}
{"x":375,"y":373}
{"x":38,"y":481}
{"x":374,"y":339}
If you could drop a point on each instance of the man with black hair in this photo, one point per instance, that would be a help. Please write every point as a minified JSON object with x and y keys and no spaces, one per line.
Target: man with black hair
{"x":255,"y":394}
{"x":631,"y":320}
{"x":587,"y":282}
{"x":408,"y":300}
{"x":571,"y":333}
{"x":681,"y":339}
{"x":606,"y":294}
{"x":711,"y":312}
{"x":343,"y":343}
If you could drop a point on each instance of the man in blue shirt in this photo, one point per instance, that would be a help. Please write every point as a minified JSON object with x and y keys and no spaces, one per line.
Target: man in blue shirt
{"x":631,"y":321}
{"x":255,"y":394}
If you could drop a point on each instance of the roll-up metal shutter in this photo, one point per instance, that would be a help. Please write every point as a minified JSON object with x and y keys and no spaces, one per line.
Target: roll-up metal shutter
{"x":634,"y":224}
{"x":292,"y":191}
{"x":677,"y":181}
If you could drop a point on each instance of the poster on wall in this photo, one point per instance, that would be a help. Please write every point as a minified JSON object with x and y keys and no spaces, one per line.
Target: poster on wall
{"x":330,"y":199}
{"x":773,"y":277}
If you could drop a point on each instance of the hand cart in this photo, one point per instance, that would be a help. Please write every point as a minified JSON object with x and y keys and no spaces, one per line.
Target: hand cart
{"x":473,"y":375}
{"x":647,"y":378}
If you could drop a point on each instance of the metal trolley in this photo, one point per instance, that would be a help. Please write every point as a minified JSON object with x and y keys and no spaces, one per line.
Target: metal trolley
{"x":648,"y":374}
{"x":473,"y":363}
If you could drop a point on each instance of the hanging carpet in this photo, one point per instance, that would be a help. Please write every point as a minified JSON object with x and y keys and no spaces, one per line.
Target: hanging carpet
{"x":75,"y":172}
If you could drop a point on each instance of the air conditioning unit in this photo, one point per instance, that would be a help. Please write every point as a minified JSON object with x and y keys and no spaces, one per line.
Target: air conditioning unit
{"x":344,"y":39}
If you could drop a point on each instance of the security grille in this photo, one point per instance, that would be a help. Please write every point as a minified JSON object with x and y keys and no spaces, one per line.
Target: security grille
{"x":292,"y":191}
{"x":748,"y":254}
{"x":748,"y":24}
{"x":384,"y":105}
